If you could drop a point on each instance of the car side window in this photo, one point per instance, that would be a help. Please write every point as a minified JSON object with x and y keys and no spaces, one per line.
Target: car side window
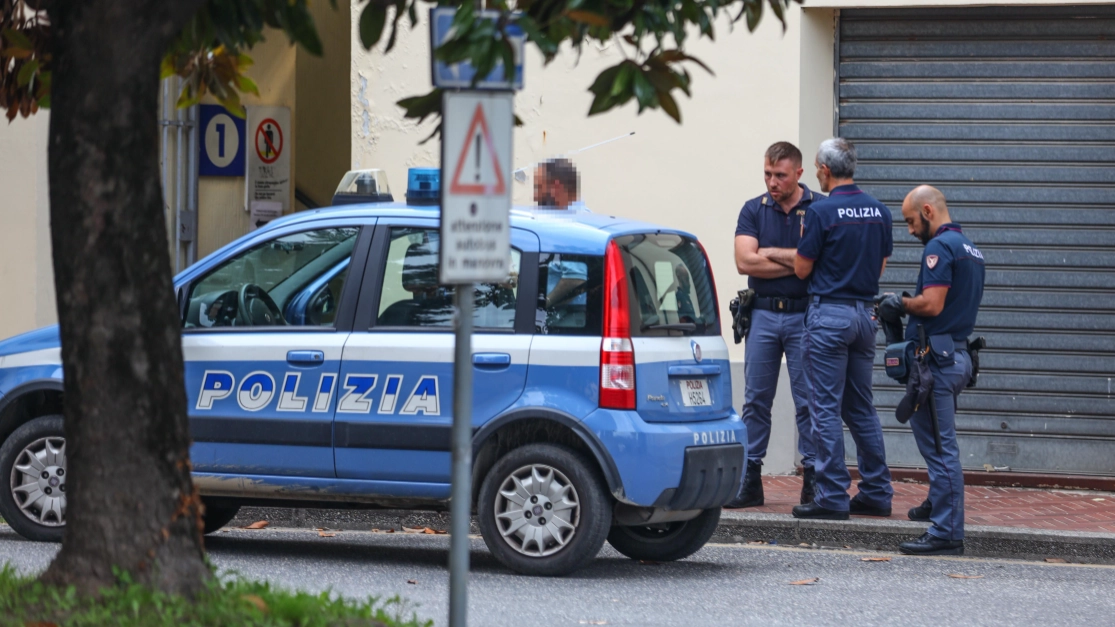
{"x":295,"y":279}
{"x":570,"y":300}
{"x":411,"y":296}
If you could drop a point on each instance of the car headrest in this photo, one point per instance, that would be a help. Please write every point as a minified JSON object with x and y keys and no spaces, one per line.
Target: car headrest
{"x":420,"y":267}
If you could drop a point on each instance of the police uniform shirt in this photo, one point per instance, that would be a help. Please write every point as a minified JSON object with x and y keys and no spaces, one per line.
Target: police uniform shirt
{"x":848,"y":235}
{"x":763,"y":219}
{"x":950,"y":260}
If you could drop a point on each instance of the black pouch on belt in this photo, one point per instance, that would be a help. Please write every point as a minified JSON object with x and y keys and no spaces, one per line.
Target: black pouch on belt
{"x":898,"y":360}
{"x":741,"y":307}
{"x":943,"y":350}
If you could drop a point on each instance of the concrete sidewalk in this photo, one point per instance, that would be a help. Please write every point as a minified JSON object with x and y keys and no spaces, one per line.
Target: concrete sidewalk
{"x":1021,"y":523}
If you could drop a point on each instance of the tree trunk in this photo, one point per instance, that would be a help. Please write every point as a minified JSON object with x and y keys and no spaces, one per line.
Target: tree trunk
{"x":132,"y":504}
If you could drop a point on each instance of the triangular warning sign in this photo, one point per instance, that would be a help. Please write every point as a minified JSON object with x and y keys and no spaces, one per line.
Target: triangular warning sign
{"x":457,"y":186}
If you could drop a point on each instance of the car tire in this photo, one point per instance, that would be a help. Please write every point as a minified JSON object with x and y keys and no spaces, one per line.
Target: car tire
{"x":667,"y":542}
{"x":20,"y":493}
{"x":217,"y":516}
{"x":550,"y":479}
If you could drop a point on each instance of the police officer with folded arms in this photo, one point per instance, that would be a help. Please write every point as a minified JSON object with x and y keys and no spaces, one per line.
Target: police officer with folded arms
{"x":767,"y":236}
{"x":843,"y":250}
{"x":944,"y":306}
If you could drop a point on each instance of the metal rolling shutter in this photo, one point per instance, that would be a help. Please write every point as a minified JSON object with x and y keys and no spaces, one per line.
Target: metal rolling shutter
{"x":1011,"y":113}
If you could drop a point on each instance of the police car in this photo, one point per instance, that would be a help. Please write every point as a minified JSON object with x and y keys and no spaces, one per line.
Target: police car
{"x":318,"y":365}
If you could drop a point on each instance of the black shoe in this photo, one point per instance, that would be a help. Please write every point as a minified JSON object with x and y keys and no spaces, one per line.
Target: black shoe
{"x":751,"y":494}
{"x":860,"y":508}
{"x":812,"y":510}
{"x":930,"y":544}
{"x":808,"y":485}
{"x":921,"y":512}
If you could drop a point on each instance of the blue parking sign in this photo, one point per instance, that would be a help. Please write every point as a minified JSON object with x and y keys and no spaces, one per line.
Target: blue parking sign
{"x":460,"y":75}
{"x":222,"y":142}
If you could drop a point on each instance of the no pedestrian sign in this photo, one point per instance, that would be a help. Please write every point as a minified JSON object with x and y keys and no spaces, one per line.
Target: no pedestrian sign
{"x":476,"y":192}
{"x":268,"y":172}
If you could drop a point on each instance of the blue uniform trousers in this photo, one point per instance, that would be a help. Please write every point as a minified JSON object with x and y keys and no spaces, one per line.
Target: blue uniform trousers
{"x":946,"y":479}
{"x":772,"y":335}
{"x":839,"y":347}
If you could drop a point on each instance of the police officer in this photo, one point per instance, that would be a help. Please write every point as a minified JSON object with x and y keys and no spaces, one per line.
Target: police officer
{"x":767,"y":236}
{"x":949,"y":290}
{"x":843,"y":250}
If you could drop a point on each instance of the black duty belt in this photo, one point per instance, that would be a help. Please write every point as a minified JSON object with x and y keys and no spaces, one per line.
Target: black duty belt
{"x":781,"y":305}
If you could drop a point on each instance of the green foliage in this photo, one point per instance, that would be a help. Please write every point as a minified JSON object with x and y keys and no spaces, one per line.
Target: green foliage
{"x":651,"y":35}
{"x":24,"y":57}
{"x":233,"y":601}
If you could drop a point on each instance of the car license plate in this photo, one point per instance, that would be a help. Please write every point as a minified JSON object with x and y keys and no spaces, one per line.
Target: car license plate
{"x":694,"y":393}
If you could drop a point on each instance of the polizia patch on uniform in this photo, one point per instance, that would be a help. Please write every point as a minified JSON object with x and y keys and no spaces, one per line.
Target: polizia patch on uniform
{"x":931,"y":261}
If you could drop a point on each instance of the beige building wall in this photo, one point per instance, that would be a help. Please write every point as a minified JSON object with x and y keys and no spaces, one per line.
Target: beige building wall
{"x":321,"y":122}
{"x":26,"y":270}
{"x":221,"y":213}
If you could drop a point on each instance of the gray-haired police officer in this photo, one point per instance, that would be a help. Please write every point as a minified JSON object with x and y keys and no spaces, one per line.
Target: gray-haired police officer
{"x":767,"y":237}
{"x":949,"y":290}
{"x":843,"y":249}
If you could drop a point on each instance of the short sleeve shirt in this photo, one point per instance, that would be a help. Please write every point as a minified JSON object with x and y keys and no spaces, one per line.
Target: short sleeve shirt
{"x":950,"y":260}
{"x":575,"y":270}
{"x":847,"y":236}
{"x":764,"y":219}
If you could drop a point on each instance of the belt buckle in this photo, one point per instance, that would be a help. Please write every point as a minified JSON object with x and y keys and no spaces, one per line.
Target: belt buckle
{"x":780,"y":304}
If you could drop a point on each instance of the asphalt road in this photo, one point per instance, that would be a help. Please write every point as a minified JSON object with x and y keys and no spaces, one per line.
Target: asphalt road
{"x":721,"y":585}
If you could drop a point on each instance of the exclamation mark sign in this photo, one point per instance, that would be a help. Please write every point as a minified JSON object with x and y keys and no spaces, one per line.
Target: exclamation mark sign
{"x":478,"y":157}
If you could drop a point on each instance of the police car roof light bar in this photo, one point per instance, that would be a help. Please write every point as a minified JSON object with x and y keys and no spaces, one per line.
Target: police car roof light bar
{"x":617,"y":354}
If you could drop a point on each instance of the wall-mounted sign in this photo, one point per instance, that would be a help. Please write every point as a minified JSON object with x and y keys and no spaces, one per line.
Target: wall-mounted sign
{"x":268,"y":171}
{"x":222,"y":142}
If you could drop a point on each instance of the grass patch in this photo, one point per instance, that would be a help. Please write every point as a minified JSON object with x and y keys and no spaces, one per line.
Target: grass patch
{"x":228,"y":600}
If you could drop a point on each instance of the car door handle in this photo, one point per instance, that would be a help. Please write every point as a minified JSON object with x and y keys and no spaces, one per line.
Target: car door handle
{"x":491,"y":360}
{"x":305,"y":357}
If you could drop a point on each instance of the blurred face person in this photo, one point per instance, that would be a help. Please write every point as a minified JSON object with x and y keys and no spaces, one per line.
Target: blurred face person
{"x":782,"y":179}
{"x":543,"y":195}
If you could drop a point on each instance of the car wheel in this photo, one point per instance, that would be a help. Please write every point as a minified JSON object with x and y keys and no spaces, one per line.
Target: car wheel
{"x":665,"y":542}
{"x":543,"y":510}
{"x":217,"y":516}
{"x":33,"y":469}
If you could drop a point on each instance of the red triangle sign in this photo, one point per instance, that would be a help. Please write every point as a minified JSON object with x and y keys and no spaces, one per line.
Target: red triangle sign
{"x":456,"y":186}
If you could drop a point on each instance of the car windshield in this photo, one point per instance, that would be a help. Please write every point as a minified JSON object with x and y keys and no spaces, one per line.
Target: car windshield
{"x":670,"y":283}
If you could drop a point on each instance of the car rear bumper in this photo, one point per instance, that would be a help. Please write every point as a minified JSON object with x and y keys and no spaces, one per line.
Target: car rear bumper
{"x":677,"y":466}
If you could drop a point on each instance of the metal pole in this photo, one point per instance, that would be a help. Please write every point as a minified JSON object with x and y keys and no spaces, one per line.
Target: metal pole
{"x":461,"y":498}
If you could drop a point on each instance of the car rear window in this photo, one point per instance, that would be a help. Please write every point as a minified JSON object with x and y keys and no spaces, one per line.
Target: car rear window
{"x":670,"y":283}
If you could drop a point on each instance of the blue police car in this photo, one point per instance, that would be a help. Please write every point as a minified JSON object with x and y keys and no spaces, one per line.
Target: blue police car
{"x":318,"y":366}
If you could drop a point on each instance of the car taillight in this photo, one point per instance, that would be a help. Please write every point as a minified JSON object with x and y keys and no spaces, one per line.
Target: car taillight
{"x":711,"y":278}
{"x":617,"y":354}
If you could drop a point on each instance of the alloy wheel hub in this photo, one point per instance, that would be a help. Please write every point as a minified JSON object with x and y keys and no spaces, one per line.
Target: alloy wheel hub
{"x":38,"y":481}
{"x":537,"y":510}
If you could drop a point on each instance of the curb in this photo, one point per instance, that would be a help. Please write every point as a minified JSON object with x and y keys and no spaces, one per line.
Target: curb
{"x":744,"y":528}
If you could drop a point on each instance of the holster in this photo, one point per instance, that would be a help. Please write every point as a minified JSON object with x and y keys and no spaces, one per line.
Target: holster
{"x":741,"y":307}
{"x":974,"y":347}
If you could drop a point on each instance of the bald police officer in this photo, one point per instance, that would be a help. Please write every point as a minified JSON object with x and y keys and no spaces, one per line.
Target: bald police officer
{"x":844,"y":246}
{"x":948,"y":295}
{"x":767,"y":235}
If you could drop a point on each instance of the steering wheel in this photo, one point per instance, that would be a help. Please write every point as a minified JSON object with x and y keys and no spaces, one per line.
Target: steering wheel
{"x":257,"y":308}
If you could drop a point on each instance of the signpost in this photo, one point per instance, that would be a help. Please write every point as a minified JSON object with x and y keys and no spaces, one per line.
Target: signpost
{"x":268,"y":172}
{"x":475,"y":244}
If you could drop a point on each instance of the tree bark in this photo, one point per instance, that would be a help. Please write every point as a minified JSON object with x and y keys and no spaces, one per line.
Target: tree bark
{"x":131,"y":505}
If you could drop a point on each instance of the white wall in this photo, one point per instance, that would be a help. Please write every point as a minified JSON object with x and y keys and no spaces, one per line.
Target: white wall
{"x":768,"y":86}
{"x":26,"y":270}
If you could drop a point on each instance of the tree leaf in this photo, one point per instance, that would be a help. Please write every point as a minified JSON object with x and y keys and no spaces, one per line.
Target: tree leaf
{"x":754,"y":11}
{"x":805,"y":582}
{"x":644,"y":92}
{"x":372,"y":20}
{"x":247,"y":85}
{"x":669,"y":105}
{"x":16,"y":39}
{"x":27,"y":72}
{"x":874,"y":559}
{"x":588,"y":17}
{"x":17,"y":53}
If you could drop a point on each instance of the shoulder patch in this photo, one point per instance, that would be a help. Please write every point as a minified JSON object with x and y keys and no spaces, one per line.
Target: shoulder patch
{"x":931,"y":261}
